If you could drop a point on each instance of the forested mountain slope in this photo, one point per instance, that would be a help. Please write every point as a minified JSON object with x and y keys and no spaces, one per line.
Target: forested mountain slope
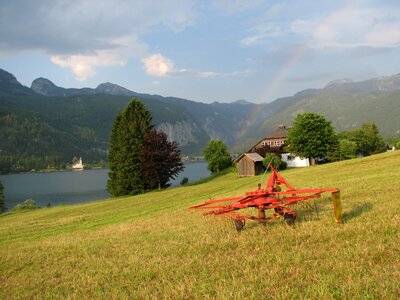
{"x":51,"y":124}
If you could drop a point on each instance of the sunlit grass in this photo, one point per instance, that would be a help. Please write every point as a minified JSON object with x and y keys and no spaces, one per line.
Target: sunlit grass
{"x":152,"y":246}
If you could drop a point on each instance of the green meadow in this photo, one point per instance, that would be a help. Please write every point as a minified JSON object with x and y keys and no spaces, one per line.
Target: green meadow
{"x":151,"y":246}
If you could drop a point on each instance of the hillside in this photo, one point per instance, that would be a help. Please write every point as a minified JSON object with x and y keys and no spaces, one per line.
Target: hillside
{"x":348,"y":110}
{"x":347,"y":105}
{"x":151,"y":246}
{"x":77,"y":122}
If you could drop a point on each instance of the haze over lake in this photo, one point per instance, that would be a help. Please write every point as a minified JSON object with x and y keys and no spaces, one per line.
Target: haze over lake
{"x":73,"y":187}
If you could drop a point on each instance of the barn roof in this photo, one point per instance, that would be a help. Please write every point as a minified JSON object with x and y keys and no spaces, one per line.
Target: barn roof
{"x":253,"y":156}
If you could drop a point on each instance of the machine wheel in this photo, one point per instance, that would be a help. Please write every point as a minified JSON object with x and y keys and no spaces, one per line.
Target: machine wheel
{"x":239,"y":224}
{"x":289,"y":218}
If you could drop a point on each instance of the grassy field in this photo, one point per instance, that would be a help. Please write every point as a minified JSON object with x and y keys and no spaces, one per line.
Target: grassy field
{"x":152,"y":246}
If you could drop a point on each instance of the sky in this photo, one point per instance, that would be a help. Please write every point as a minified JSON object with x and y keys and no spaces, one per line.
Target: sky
{"x":223,"y":50}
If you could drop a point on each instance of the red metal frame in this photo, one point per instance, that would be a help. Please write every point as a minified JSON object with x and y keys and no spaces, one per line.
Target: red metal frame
{"x":272,"y":197}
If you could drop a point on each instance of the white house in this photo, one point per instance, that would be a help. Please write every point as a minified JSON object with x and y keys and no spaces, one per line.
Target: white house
{"x":276,"y":140}
{"x":294,"y":161}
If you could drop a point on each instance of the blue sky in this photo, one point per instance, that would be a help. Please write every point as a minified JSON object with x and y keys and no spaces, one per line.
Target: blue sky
{"x":204,"y":51}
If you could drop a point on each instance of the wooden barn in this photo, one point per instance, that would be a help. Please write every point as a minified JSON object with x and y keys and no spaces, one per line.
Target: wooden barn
{"x":249,"y":164}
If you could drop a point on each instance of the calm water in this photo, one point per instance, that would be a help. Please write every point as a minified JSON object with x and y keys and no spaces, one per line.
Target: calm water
{"x":71,"y":187}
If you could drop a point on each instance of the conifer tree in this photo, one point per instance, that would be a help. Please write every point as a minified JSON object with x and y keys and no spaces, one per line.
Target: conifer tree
{"x":126,"y":139}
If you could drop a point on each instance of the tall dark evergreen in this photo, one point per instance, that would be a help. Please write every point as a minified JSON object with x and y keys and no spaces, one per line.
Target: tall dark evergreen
{"x":2,"y":202}
{"x":126,"y":140}
{"x":161,"y":160}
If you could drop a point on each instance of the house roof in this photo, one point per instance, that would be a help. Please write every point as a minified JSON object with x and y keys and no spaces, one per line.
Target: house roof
{"x":253,"y":156}
{"x":280,"y":132}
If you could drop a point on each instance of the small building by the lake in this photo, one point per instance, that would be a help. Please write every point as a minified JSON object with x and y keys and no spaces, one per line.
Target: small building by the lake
{"x":249,"y":164}
{"x":78,"y":165}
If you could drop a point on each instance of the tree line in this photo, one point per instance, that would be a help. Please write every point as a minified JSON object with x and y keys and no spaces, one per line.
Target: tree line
{"x":313,"y":136}
{"x":30,"y":142}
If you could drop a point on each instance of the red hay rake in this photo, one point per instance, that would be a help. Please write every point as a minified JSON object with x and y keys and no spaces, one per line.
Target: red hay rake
{"x":273,"y":197}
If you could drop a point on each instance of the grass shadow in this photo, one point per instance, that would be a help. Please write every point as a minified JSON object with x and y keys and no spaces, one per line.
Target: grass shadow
{"x":357,"y":211}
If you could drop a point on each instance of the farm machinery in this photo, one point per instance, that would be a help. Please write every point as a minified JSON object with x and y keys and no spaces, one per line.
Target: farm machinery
{"x":277,"y":198}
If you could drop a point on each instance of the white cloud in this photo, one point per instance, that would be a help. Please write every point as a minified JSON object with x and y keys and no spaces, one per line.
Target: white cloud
{"x":388,"y":37}
{"x":158,"y":65}
{"x":348,"y":27}
{"x":354,"y":27}
{"x":83,"y":66}
{"x":84,"y":34}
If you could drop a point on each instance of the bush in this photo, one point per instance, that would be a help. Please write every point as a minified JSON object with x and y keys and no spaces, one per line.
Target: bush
{"x":184,"y":181}
{"x":217,"y":156}
{"x":272,"y":158}
{"x":283,"y":165}
{"x":26,"y":205}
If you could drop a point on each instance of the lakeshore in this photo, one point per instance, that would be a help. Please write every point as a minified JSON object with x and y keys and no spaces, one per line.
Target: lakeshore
{"x":65,"y":187}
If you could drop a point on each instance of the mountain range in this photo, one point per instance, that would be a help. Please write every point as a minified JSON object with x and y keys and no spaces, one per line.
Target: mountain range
{"x":45,"y":120}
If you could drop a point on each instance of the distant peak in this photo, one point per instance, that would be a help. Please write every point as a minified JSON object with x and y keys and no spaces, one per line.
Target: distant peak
{"x":5,"y":76}
{"x":242,"y":101}
{"x":382,"y":83}
{"x":10,"y":84}
{"x":44,"y":86}
{"x":42,"y":81}
{"x":338,"y":82}
{"x":107,"y":84}
{"x":113,"y":89}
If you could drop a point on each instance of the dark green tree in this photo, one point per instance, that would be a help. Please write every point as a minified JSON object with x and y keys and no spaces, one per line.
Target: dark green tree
{"x":368,"y":139}
{"x":311,"y":136}
{"x":347,"y":149}
{"x":2,"y":201}
{"x":127,"y":136}
{"x":217,"y":156}
{"x":160,"y":160}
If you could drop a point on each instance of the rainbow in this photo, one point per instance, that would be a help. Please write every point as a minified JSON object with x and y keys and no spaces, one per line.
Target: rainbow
{"x":294,"y":58}
{"x":301,"y":49}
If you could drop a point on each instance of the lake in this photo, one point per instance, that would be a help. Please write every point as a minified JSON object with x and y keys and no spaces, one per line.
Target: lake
{"x":72,"y":187}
